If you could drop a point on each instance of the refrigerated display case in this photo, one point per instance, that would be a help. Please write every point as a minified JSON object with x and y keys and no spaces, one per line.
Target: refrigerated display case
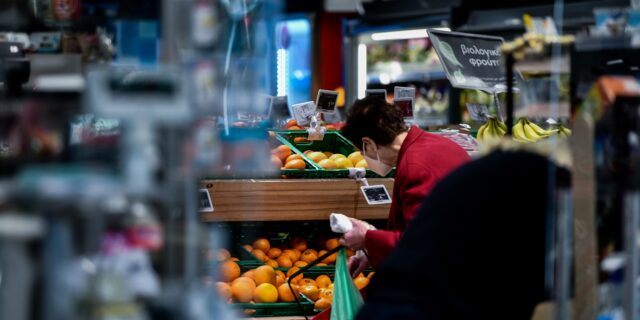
{"x":294,"y":45}
{"x":386,"y":54}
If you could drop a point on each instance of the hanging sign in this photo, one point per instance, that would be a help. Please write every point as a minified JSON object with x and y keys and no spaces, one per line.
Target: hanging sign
{"x":471,"y":61}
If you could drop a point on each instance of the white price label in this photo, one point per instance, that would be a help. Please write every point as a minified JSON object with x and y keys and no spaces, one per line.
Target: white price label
{"x":376,"y":194}
{"x":303,"y":112}
{"x":403,"y":93}
{"x":205,"y":203}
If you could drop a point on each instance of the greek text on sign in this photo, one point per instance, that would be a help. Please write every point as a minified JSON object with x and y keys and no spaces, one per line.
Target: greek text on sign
{"x":470,"y":61}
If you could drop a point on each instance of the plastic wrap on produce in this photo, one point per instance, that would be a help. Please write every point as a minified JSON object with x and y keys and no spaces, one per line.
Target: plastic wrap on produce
{"x":466,"y":141}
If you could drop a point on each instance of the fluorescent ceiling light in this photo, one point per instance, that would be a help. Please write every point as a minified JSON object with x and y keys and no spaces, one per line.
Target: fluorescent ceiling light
{"x":403,"y":34}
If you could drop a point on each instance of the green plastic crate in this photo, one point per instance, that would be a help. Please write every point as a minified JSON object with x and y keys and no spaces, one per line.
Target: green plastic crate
{"x":333,"y":142}
{"x":278,"y":309}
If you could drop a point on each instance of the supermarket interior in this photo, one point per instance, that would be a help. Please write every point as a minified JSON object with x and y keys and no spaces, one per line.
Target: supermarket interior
{"x":319,"y":159}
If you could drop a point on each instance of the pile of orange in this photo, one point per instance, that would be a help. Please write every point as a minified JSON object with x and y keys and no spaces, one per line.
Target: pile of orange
{"x":296,"y":254}
{"x":293,"y":125}
{"x":329,"y":160}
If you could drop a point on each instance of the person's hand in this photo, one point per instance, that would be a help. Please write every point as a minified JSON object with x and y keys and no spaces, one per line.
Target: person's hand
{"x":357,"y":264}
{"x":355,"y":239}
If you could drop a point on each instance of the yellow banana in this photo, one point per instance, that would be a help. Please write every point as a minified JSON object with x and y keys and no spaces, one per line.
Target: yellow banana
{"x":481,"y":131}
{"x":518,"y":133}
{"x":538,"y":130}
{"x":531,"y":134}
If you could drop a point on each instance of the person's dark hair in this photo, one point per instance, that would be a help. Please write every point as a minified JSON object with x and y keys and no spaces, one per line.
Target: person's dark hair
{"x":374,"y":118}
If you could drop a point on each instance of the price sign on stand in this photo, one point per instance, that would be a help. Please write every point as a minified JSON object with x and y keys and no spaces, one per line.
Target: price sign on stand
{"x":471,"y":61}
{"x":378,"y":93}
{"x":304,"y":112}
{"x":376,"y":194}
{"x":205,"y":203}
{"x":279,"y":109}
{"x":326,"y":101}
{"x":478,"y":112}
{"x":404,"y":98}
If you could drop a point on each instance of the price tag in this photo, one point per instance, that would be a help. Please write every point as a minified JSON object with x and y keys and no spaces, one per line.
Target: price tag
{"x":406,"y":105}
{"x":303,"y":112}
{"x":478,"y":112}
{"x":376,"y":194}
{"x":403,"y":93}
{"x":378,"y":93}
{"x":206,"y":205}
{"x":279,"y":109}
{"x":326,"y":101}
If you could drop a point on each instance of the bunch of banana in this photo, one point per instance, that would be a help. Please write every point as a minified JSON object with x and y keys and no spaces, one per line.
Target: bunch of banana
{"x":563,"y":131}
{"x":527,"y":131}
{"x":494,"y":128}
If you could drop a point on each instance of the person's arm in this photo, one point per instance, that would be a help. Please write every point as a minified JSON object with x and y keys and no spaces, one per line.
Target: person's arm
{"x":416,"y":182}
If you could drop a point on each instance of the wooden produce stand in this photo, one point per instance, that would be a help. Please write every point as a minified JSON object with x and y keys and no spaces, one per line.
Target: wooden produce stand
{"x":290,"y":199}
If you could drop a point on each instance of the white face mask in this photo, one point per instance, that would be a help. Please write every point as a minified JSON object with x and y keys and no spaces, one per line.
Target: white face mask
{"x":376,"y":165}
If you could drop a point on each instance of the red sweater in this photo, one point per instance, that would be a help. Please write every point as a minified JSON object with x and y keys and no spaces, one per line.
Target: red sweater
{"x":423,"y":160}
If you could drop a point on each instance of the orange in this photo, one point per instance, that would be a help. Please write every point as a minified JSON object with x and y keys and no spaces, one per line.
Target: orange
{"x":280,"y":273}
{"x":332,"y":243}
{"x":321,"y":264}
{"x":362,"y":164}
{"x":276,"y":162}
{"x":306,"y":153}
{"x":309,"y":256}
{"x":294,"y":128}
{"x":272,"y":263}
{"x":298,"y":243}
{"x":280,"y":279}
{"x":291,"y":122}
{"x":282,"y":151}
{"x":312,"y":292}
{"x":259,"y":254}
{"x":224,"y":290}
{"x":274,"y":253}
{"x":292,"y":271}
{"x":355,"y":157}
{"x":222,"y":254}
{"x":294,"y":156}
{"x":323,"y":281}
{"x":285,"y":294}
{"x":265,"y":293}
{"x":326,"y":294}
{"x":370,"y":275}
{"x":300,"y":140}
{"x":331,"y":127}
{"x":247,"y":247}
{"x":244,"y":279}
{"x":343,"y":163}
{"x":234,"y":259}
{"x":229,"y":271}
{"x":350,"y":252}
{"x":262,"y":244}
{"x":321,"y":253}
{"x":284,"y":261}
{"x":322,"y":304}
{"x":328,"y":154}
{"x":307,"y":282}
{"x":300,"y":264}
{"x":330,"y":259}
{"x":249,"y":274}
{"x":337,"y":156}
{"x":295,"y":164}
{"x":361,"y":282}
{"x":293,"y":255}
{"x":327,"y":164}
{"x":317,"y":156}
{"x":242,"y":291}
{"x":264,"y":274}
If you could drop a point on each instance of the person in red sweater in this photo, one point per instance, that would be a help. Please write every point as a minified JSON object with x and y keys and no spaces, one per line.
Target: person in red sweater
{"x":421,"y":160}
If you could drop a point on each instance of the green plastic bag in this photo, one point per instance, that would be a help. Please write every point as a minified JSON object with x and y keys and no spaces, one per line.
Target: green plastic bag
{"x":346,"y":297}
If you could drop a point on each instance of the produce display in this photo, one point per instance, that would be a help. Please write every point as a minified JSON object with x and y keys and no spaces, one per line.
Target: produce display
{"x":268,"y":283}
{"x":524,"y":131}
{"x":284,"y":158}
